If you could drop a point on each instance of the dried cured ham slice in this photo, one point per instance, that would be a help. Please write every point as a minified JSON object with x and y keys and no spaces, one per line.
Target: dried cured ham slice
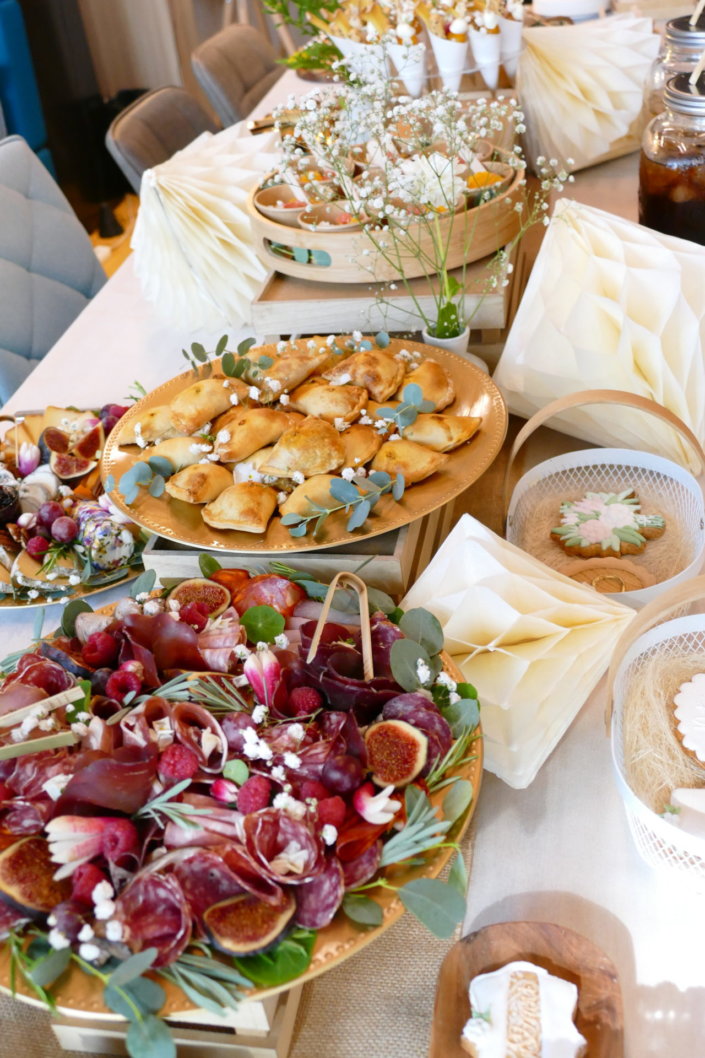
{"x":196,"y":728}
{"x":318,"y":900}
{"x":121,"y":782}
{"x":154,"y":914}
{"x":206,"y":879}
{"x":149,"y":723}
{"x":286,"y":849}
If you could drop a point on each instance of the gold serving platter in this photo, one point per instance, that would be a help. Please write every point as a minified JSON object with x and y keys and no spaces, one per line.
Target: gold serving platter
{"x":477,"y":395}
{"x":77,"y":992}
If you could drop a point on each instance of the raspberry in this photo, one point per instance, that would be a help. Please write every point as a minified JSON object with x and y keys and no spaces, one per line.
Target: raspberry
{"x":37,"y":547}
{"x":304,"y":700}
{"x":331,"y":810}
{"x":312,"y":788}
{"x":177,"y":763}
{"x":194,"y":614}
{"x":84,"y":880}
{"x":100,"y":650}
{"x":121,"y":683}
{"x":119,"y":836}
{"x":254,"y":794}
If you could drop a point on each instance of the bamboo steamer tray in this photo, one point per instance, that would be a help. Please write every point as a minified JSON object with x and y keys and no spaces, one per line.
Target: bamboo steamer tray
{"x":477,"y":232}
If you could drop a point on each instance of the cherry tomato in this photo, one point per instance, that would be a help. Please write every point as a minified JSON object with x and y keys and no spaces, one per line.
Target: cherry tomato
{"x":269,"y":590}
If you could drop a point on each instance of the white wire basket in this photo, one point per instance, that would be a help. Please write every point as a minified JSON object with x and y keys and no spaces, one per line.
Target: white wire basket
{"x":659,"y":841}
{"x":615,"y":470}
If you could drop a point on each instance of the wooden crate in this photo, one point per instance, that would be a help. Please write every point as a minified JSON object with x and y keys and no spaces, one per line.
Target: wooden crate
{"x":391,"y":561}
{"x":259,"y":1029}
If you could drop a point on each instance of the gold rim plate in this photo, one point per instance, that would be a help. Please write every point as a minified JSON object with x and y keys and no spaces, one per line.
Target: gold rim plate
{"x":476,"y":395}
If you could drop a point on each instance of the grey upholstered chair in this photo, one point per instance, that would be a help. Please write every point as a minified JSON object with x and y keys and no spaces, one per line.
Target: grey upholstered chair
{"x":235,"y":68}
{"x":153,"y":128}
{"x":48,"y":270}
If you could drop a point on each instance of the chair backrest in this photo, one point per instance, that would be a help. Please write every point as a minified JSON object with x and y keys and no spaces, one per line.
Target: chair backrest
{"x":235,"y":68}
{"x":154,"y":127}
{"x":48,"y":270}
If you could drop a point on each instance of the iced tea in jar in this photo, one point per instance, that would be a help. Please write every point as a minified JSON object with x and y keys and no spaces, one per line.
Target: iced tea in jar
{"x":672,"y":164}
{"x":680,"y":52}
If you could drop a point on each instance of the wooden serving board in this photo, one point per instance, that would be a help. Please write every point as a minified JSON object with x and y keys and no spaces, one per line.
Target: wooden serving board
{"x":560,"y":951}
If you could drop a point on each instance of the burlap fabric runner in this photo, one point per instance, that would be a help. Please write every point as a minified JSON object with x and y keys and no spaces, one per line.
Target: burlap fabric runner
{"x":378,"y":1004}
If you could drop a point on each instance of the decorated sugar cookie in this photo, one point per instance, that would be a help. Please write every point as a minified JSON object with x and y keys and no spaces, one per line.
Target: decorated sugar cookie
{"x":606,"y":523}
{"x":689,"y":712}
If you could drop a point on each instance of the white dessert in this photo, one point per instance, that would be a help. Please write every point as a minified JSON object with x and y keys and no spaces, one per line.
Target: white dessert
{"x":522,"y":1011}
{"x":690,"y":714}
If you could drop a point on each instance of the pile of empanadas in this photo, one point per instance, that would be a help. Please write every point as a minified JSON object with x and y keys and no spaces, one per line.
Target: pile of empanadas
{"x":245,"y":449}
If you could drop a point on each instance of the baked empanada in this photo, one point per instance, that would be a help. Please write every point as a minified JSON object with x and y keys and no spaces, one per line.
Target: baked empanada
{"x":308,"y":448}
{"x":149,"y":426}
{"x":414,"y":461}
{"x":247,"y":431}
{"x":247,"y":506}
{"x":199,"y":483}
{"x":378,"y":372}
{"x":316,"y":488}
{"x":436,"y":384}
{"x":360,"y":444}
{"x":289,"y":370}
{"x":442,"y":433}
{"x":317,"y":397}
{"x":204,"y":400}
{"x":245,"y":468}
{"x":180,"y":451}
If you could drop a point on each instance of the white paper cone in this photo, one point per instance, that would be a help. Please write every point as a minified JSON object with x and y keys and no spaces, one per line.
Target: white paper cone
{"x":510,"y":33}
{"x":410,"y":64}
{"x":486,"y":52}
{"x":451,"y":59}
{"x":365,"y":60}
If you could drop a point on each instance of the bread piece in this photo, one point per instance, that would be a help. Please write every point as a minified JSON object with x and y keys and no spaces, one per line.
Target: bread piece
{"x":361,"y":443}
{"x":247,"y":506}
{"x":436,"y":384}
{"x":377,"y":371}
{"x":288,"y":371}
{"x":317,"y":397}
{"x":149,"y":426}
{"x":316,"y":488}
{"x":247,"y":431}
{"x":180,"y":451}
{"x":414,"y":461}
{"x":442,"y":433}
{"x":310,"y":447}
{"x":202,"y":401}
{"x":199,"y":483}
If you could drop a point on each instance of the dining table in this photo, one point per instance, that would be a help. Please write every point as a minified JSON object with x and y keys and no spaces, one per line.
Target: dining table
{"x":559,"y":851}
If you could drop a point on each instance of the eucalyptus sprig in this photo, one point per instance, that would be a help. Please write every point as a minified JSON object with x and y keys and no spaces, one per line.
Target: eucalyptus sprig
{"x":407,"y":410}
{"x":358,"y":496}
{"x":234,"y":365}
{"x":150,"y":474}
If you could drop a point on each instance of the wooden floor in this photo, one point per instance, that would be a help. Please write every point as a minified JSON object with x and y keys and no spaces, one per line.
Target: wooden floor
{"x":118,"y":248}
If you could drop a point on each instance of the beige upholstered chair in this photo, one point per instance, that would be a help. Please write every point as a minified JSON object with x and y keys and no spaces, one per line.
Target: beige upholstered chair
{"x":153,"y":128}
{"x":235,"y":68}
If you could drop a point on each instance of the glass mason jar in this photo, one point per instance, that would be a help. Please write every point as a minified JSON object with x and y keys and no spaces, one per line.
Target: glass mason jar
{"x":681,"y":49}
{"x":672,"y":163}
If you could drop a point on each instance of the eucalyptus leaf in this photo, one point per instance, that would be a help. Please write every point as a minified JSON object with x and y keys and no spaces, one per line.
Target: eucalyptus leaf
{"x":404,"y":657}
{"x":71,"y":612}
{"x":245,"y":346}
{"x":426,"y":406}
{"x":147,"y":996}
{"x":240,"y":368}
{"x":298,"y":530}
{"x":386,"y":413}
{"x":109,"y":483}
{"x":398,"y":487}
{"x":38,"y":624}
{"x":438,"y":906}
{"x":291,"y":519}
{"x":142,"y":472}
{"x":283,"y":963}
{"x":133,"y":967}
{"x":237,"y":771}
{"x":144,"y":583}
{"x":45,"y":971}
{"x":220,"y":347}
{"x":423,"y":627}
{"x":379,"y":600}
{"x":264,"y":362}
{"x":156,"y":486}
{"x":458,"y":875}
{"x":359,"y":515}
{"x":462,"y":716}
{"x":406,"y":417}
{"x":262,"y":624}
{"x":457,"y":799}
{"x":130,"y":495}
{"x":380,"y":478}
{"x":343,"y":491}
{"x":149,"y":1038}
{"x":382,"y":339}
{"x":412,"y":393}
{"x":365,"y":344}
{"x":161,"y":465}
{"x":208,"y":564}
{"x":228,"y":364}
{"x":199,"y":352}
{"x":362,"y":909}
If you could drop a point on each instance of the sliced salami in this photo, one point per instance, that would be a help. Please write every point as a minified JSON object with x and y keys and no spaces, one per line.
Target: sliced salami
{"x":363,"y":867}
{"x":286,"y":849}
{"x":154,"y":914}
{"x":318,"y":900}
{"x":206,"y":879}
{"x":10,"y":918}
{"x":249,"y":875}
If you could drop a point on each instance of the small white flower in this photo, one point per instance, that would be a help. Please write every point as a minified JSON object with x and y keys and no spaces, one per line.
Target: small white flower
{"x":34,"y":594}
{"x":102,"y":891}
{"x":348,"y":473}
{"x":79,"y":729}
{"x":298,"y":477}
{"x":58,"y":940}
{"x":444,"y":680}
{"x":259,"y":714}
{"x":423,"y":672}
{"x":234,"y":399}
{"x":329,"y":834}
{"x":357,"y":336}
{"x":292,"y":761}
{"x":89,"y":952}
{"x":86,"y":932}
{"x":284,"y":399}
{"x":104,"y":909}
{"x":153,"y":606}
{"x":241,"y":652}
{"x":253,"y":393}
{"x":281,"y":641}
{"x":113,"y":930}
{"x":278,"y":773}
{"x":47,"y":724}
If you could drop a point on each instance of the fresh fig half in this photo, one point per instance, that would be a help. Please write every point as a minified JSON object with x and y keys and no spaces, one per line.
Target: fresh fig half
{"x":246,"y":925}
{"x":67,"y":466}
{"x":56,"y":440}
{"x":27,"y":878}
{"x":91,"y":444}
{"x":68,"y":654}
{"x":215,"y":596}
{"x":396,"y":752}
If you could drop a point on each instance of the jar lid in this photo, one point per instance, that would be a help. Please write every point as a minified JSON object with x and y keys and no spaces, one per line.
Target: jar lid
{"x":680,"y":31}
{"x":685,"y":97}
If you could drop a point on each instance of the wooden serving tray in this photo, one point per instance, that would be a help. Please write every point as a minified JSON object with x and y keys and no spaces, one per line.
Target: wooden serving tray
{"x":560,"y":951}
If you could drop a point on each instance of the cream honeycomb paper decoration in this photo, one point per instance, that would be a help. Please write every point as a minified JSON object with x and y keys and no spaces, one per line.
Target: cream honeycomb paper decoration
{"x":193,"y":247}
{"x":611,"y":305}
{"x":533,"y":642}
{"x":581,"y":88}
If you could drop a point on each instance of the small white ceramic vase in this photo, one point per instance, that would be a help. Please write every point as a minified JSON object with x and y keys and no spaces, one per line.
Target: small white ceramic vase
{"x":458,"y":345}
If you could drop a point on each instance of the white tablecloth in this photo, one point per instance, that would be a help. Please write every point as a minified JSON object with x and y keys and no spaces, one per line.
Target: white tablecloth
{"x":559,"y":851}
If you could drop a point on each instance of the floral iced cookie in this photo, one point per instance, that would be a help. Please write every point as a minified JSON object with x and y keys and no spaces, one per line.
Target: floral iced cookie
{"x":606,"y":523}
{"x":689,"y":713}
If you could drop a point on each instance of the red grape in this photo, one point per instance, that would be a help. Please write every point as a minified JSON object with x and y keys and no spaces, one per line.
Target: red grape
{"x":64,"y":529}
{"x":84,"y":880}
{"x":342,"y":773}
{"x":49,"y":512}
{"x":37,"y":547}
